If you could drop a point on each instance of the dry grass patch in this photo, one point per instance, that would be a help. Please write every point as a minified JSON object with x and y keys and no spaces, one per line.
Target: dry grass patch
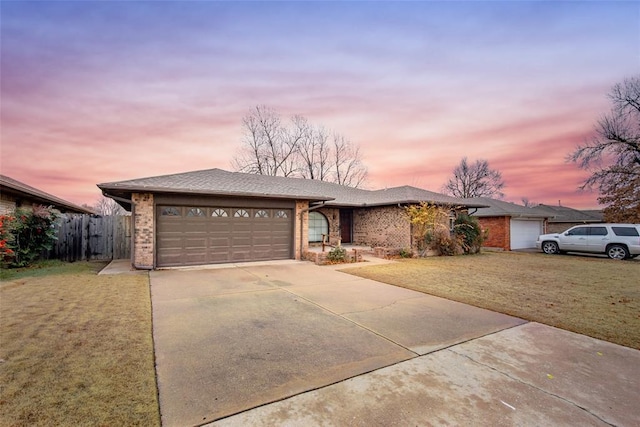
{"x":591,"y":296}
{"x":76,"y":349}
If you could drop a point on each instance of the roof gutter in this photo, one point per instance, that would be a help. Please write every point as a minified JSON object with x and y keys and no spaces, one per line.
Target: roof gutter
{"x":118,"y":199}
{"x":302,"y":212}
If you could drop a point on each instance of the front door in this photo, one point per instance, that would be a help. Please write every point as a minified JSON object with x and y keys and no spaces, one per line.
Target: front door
{"x":346,"y":216}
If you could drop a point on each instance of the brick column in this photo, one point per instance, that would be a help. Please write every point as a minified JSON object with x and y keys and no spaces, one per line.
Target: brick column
{"x":143,"y":231}
{"x":301,"y":229}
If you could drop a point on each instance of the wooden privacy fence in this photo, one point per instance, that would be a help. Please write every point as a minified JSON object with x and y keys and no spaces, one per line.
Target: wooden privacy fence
{"x":90,"y":237}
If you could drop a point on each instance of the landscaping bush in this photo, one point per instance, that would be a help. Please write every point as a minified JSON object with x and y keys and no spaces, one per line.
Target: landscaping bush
{"x":405,"y":253}
{"x":25,"y":235}
{"x":444,"y":243}
{"x":337,"y":254}
{"x":469,"y":233}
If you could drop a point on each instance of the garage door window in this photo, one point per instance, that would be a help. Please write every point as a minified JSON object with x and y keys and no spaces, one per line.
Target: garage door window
{"x":219,"y":213}
{"x":195,"y":212}
{"x":262,"y":214}
{"x":170,"y":211}
{"x":281,"y":214}
{"x":318,"y":225}
{"x":241,"y":213}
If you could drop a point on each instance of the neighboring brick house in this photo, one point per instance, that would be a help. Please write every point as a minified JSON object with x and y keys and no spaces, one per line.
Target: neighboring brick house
{"x":216,"y":216}
{"x":15,"y":194}
{"x":563,"y":218}
{"x":509,"y":226}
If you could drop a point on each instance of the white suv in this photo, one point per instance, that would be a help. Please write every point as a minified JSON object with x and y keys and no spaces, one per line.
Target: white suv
{"x":618,"y":241}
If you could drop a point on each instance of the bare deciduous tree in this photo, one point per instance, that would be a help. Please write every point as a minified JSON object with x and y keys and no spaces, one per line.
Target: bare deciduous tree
{"x":348,"y":168}
{"x":528,"y":203}
{"x":106,"y":206}
{"x":474,"y":180}
{"x":268,"y":147}
{"x":613,"y":155}
{"x":313,"y":150}
{"x":299,"y":149}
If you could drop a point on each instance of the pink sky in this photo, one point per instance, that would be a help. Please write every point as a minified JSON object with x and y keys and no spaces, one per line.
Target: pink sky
{"x":98,"y":92}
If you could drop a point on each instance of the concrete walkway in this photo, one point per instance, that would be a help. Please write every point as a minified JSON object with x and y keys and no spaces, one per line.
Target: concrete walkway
{"x":298,"y":344}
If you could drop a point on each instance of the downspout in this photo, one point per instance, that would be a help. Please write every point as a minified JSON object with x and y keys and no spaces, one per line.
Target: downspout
{"x":302,"y":212}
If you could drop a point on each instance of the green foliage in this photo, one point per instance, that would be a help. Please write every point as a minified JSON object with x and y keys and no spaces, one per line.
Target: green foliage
{"x":25,"y":235}
{"x":469,"y":233}
{"x":6,"y":239}
{"x":405,"y":253}
{"x":51,"y":267}
{"x":337,"y":254}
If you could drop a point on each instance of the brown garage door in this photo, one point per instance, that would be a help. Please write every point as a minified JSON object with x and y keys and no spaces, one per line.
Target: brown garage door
{"x":192,"y":235}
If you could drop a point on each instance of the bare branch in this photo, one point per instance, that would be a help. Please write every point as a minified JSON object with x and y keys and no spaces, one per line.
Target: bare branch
{"x":475,"y":180}
{"x":297,"y":149}
{"x":107,"y":206}
{"x":613,"y":154}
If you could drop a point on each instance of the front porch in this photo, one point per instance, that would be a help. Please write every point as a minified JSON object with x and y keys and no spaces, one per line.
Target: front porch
{"x":317,"y":253}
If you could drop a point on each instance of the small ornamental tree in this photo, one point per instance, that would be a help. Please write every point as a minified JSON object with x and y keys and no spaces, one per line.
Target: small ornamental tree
{"x":26,"y":234}
{"x":430,"y":225}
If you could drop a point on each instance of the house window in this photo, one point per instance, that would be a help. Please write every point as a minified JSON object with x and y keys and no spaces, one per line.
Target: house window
{"x":281,"y":214}
{"x":219,"y":213}
{"x":318,"y":225}
{"x":195,"y":212}
{"x":262,"y":214}
{"x":170,"y":211}
{"x":241,"y":213}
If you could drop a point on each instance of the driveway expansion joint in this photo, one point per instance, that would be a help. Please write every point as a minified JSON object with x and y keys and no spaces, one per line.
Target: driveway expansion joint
{"x":511,"y":377}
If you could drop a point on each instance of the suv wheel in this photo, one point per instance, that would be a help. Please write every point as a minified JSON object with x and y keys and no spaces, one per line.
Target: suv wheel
{"x":550,"y":248}
{"x":617,"y":252}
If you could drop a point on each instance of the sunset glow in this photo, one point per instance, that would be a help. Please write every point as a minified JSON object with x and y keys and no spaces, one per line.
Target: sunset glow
{"x":105,"y":91}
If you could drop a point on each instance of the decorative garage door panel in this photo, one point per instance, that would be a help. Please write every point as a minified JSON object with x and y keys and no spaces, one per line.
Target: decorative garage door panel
{"x":190,"y":235}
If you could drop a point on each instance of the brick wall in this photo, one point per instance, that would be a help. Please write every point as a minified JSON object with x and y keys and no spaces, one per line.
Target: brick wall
{"x":386,"y":226}
{"x":298,"y":234}
{"x":7,"y":204}
{"x":560,"y":227}
{"x":499,"y":232}
{"x":333,"y":217}
{"x":144,"y":230}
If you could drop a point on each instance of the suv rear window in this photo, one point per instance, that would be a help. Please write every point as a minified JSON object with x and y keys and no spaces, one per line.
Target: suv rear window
{"x":625,"y":231}
{"x":598,"y":231}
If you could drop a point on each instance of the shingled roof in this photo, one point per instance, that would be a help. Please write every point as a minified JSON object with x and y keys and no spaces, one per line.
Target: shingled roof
{"x":570,"y":215}
{"x":502,"y":208}
{"x":237,"y":184}
{"x":33,"y":195}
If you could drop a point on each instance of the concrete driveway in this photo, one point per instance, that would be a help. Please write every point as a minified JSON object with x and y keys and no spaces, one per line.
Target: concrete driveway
{"x":296,"y":344}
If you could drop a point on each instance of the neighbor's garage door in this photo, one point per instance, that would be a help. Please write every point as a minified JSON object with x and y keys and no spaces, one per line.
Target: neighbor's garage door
{"x":192,"y":235}
{"x":524,"y":233}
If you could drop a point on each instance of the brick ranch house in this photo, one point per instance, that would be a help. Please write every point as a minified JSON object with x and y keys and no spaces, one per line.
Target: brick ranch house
{"x":15,"y":194}
{"x":215,"y":216}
